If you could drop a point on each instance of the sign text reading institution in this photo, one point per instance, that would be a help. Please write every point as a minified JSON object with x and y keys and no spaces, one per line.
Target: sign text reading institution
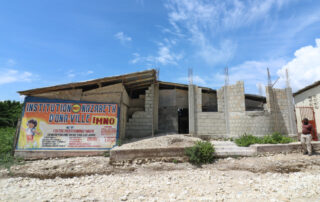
{"x":74,"y":113}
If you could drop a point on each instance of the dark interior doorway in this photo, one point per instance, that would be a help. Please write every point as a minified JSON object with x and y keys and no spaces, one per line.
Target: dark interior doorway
{"x":183,"y":121}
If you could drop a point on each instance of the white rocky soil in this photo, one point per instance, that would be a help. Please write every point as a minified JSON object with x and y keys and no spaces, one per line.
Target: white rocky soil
{"x":162,"y":141}
{"x":291,"y":177}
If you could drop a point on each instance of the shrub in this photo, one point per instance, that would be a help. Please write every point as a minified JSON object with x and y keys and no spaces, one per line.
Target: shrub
{"x":200,"y":153}
{"x":247,"y":140}
{"x":10,"y":111}
{"x":275,"y":138}
{"x":268,"y":140}
{"x":6,"y":140}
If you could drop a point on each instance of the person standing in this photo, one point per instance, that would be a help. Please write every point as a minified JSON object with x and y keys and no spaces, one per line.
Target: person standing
{"x":306,"y":137}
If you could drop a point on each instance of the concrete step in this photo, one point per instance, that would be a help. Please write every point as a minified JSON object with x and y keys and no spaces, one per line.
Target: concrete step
{"x":228,"y":148}
{"x":233,"y":150}
{"x":234,"y":153}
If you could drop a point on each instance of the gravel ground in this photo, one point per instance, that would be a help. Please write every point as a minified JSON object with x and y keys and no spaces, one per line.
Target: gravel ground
{"x":163,"y":141}
{"x":291,"y":177}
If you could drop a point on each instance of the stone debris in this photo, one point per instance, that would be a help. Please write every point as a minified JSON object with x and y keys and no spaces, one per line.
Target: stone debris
{"x":163,"y":141}
{"x":163,"y":181}
{"x":4,"y":172}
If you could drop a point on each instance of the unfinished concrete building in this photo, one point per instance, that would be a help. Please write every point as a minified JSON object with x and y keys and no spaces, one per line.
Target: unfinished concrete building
{"x":148,"y":106}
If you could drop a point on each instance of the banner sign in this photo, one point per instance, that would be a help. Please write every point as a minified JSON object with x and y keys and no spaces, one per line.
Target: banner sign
{"x":67,"y":125}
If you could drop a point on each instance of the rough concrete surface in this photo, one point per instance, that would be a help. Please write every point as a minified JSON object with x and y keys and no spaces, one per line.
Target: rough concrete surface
{"x":292,"y":177}
{"x":163,"y":141}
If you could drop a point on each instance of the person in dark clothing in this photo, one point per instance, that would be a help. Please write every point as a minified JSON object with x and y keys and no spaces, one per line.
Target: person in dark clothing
{"x":306,"y":136}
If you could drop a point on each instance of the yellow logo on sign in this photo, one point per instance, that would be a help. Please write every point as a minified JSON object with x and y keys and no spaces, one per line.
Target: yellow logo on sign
{"x":76,"y":108}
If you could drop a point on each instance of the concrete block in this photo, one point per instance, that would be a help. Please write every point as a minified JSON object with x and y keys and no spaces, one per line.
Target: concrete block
{"x":43,"y":154}
{"x":132,"y":154}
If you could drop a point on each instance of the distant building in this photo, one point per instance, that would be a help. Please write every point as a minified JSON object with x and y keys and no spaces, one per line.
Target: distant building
{"x":307,"y":103}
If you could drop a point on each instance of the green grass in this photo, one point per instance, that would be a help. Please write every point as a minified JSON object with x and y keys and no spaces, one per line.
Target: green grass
{"x":6,"y":148}
{"x":275,"y":138}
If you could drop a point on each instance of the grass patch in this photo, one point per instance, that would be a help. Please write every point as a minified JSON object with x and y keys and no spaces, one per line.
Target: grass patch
{"x":275,"y":138}
{"x":200,"y":153}
{"x":6,"y":148}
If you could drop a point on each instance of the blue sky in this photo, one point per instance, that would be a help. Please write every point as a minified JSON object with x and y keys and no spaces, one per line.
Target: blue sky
{"x":44,"y":43}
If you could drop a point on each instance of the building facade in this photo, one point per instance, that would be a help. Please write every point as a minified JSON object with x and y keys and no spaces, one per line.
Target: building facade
{"x":148,"y":106}
{"x":307,"y":105}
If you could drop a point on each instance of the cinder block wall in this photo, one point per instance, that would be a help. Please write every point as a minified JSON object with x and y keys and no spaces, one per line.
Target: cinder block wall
{"x":208,"y":123}
{"x":235,"y":96}
{"x":140,"y":125}
{"x":258,"y":123}
{"x":242,"y":122}
{"x":277,"y":104}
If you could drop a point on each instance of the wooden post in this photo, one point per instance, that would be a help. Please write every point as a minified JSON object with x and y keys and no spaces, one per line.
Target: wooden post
{"x":15,"y":140}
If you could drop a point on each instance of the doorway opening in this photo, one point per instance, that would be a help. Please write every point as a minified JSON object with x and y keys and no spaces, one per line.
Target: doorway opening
{"x":183,"y":121}
{"x":308,"y":112}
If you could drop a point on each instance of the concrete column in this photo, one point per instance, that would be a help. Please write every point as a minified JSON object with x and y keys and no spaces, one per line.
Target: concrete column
{"x":198,"y":99}
{"x":155,"y":107}
{"x":226,"y":109}
{"x":271,"y":107}
{"x":293,"y":130}
{"x":191,"y":103}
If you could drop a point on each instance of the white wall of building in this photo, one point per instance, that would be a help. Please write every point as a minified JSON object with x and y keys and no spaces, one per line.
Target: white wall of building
{"x":308,"y":98}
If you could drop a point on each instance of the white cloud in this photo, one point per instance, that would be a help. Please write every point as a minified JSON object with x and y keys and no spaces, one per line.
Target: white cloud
{"x":253,"y":73}
{"x":196,"y":80}
{"x":304,"y":68}
{"x":71,"y":74}
{"x":137,"y":58}
{"x":164,"y":56}
{"x":122,"y":37}
{"x":202,"y":20}
{"x":222,"y":14}
{"x":213,"y":55}
{"x":12,"y":76}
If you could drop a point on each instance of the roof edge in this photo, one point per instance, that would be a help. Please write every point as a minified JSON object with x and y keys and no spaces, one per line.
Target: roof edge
{"x":307,"y":88}
{"x":152,"y":72}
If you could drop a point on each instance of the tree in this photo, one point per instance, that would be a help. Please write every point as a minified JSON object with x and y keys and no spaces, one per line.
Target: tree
{"x":10,"y":111}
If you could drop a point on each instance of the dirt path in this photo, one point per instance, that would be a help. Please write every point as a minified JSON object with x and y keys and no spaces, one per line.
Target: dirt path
{"x":292,"y":177}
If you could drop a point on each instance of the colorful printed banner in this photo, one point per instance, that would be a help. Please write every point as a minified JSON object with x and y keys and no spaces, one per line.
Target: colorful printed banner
{"x":59,"y":124}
